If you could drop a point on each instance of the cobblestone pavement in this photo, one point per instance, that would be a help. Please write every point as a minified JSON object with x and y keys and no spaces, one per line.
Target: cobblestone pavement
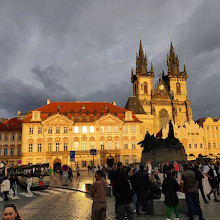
{"x":65,"y":204}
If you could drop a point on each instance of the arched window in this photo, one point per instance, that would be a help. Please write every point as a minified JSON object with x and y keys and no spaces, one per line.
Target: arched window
{"x":178,"y":90}
{"x":145,"y":87}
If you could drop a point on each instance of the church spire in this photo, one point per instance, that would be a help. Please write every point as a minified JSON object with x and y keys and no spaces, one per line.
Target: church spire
{"x":152,"y":69}
{"x":132,"y":74}
{"x":141,"y":61}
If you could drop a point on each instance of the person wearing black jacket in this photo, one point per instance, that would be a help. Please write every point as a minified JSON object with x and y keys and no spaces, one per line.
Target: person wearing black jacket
{"x":123,"y":196}
{"x":169,"y":188}
{"x":199,"y":177}
{"x":141,"y":186}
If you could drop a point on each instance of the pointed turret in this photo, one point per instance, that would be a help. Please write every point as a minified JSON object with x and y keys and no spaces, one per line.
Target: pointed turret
{"x":132,"y":74}
{"x":141,"y":61}
{"x":152,"y":69}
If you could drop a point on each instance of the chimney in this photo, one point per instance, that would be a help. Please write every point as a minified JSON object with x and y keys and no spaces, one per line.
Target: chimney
{"x":19,"y":112}
{"x":113,"y":103}
{"x":48,"y":101}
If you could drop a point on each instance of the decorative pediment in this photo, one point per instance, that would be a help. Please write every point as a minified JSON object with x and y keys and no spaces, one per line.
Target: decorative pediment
{"x":57,"y":119}
{"x":109,"y":119}
{"x":162,"y":91}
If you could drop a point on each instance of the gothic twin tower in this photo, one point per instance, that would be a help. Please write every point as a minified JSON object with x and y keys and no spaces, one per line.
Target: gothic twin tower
{"x":168,"y":101}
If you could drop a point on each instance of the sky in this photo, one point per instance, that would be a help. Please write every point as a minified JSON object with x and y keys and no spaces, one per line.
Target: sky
{"x":68,"y":50}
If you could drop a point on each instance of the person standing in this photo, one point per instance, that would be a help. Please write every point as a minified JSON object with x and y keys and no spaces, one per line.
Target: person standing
{"x":141,"y":186}
{"x":29,"y":183}
{"x":123,"y":196}
{"x":98,"y":193}
{"x":210,"y":172}
{"x":169,"y":188}
{"x":189,"y":186}
{"x":5,"y":187}
{"x":70,"y":174}
{"x":176,"y":169}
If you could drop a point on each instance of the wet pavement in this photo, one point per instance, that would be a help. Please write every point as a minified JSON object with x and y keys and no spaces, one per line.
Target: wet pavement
{"x":64,"y":204}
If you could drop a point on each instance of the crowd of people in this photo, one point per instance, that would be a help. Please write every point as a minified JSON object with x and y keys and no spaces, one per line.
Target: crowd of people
{"x":134,"y":189}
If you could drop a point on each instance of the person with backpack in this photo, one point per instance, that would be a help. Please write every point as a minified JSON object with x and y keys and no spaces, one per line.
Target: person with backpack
{"x":170,"y":188}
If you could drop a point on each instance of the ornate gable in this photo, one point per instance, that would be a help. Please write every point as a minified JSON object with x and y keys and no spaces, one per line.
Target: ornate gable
{"x":109,"y":119}
{"x":57,"y":119}
{"x":162,"y":91}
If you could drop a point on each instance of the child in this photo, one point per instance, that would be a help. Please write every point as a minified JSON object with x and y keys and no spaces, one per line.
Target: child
{"x":169,"y":188}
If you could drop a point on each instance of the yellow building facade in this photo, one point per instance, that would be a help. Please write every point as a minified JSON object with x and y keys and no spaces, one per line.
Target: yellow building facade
{"x":52,"y":131}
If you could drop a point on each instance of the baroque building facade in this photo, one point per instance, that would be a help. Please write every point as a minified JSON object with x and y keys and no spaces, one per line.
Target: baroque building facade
{"x":49,"y":134}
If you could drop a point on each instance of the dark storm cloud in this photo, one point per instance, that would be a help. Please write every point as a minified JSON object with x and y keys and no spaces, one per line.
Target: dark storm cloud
{"x":69,"y":49}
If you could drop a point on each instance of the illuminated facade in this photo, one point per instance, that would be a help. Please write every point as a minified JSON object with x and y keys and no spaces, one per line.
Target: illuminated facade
{"x":10,"y":141}
{"x":52,"y":131}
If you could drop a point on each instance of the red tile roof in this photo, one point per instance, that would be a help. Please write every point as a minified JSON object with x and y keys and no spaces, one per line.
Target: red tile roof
{"x":11,"y":124}
{"x":93,"y":110}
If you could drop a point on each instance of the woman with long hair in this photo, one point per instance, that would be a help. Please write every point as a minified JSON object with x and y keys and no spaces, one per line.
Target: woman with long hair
{"x":11,"y":212}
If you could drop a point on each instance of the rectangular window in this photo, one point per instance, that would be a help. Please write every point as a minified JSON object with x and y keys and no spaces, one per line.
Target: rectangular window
{"x":31,"y":130}
{"x":216,"y":128}
{"x":201,"y":146}
{"x":125,"y":129}
{"x":49,"y":147}
{"x":12,"y":136}
{"x":213,"y":135}
{"x":214,"y":145}
{"x":5,"y":151}
{"x":19,"y":151}
{"x":83,"y":145}
{"x":133,"y":144}
{"x":19,"y":136}
{"x":133,"y":129}
{"x":65,"y":146}
{"x":76,"y":129}
{"x":39,"y":147}
{"x":6,"y":136}
{"x":109,"y":129}
{"x":12,"y":151}
{"x":195,"y":145}
{"x":84,"y":129}
{"x":116,"y":129}
{"x":57,"y":146}
{"x":76,"y":145}
{"x":92,"y":144}
{"x":126,"y":161}
{"x":50,"y":130}
{"x":65,"y":130}
{"x":190,"y":145}
{"x":209,"y":145}
{"x":76,"y":164}
{"x":39,"y":130}
{"x":57,"y":130}
{"x":102,"y":145}
{"x":109,"y":145}
{"x":30,"y":149}
{"x":207,"y":128}
{"x":125,"y":145}
{"x":102,"y":129}
{"x":116,"y":145}
{"x":92,"y":129}
{"x":84,"y":164}
{"x":134,"y":160}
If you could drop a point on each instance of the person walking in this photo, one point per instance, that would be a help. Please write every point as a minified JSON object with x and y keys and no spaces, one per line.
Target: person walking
{"x":78,"y":173}
{"x":169,"y":188}
{"x":199,"y":177}
{"x":98,"y":193}
{"x":210,"y":172}
{"x":14,"y":182}
{"x":189,"y":186}
{"x":5,"y":187}
{"x":70,"y":174}
{"x":29,"y":183}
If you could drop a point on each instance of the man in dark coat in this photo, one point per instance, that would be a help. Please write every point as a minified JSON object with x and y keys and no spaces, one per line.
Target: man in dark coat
{"x":141,"y":186}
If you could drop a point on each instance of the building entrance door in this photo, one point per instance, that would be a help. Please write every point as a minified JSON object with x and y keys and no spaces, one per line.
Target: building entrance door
{"x":57,"y":165}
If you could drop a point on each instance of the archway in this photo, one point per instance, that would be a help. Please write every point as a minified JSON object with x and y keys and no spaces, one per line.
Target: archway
{"x":163,"y":117}
{"x":57,"y":165}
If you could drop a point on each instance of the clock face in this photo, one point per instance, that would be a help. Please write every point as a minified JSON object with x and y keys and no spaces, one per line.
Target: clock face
{"x":161,"y":87}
